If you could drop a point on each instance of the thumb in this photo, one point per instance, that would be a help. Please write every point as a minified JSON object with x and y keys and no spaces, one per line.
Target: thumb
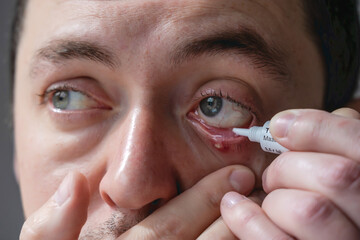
{"x":63,"y":215}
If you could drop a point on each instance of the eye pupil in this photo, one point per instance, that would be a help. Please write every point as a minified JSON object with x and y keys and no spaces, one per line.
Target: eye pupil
{"x":211,"y":106}
{"x":61,"y":99}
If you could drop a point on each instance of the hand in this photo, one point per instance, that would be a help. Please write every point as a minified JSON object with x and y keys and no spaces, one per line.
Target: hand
{"x":184,"y":217}
{"x":63,"y":215}
{"x":195,"y":213}
{"x":313,"y":190}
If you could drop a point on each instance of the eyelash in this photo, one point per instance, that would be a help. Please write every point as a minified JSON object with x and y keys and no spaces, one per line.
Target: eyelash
{"x":226,"y":96}
{"x":44,"y":97}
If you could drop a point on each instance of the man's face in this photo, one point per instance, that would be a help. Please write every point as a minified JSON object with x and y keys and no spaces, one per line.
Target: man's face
{"x":141,"y":95}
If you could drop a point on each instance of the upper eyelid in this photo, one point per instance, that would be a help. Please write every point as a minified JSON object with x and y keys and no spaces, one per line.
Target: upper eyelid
{"x":66,"y":88}
{"x":222,"y":95}
{"x":205,"y":94}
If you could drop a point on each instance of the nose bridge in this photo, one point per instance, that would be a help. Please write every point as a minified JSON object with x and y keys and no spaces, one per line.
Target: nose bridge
{"x":139,"y":171}
{"x":144,"y":137}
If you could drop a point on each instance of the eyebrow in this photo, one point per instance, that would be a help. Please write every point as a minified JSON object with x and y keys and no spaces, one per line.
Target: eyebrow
{"x":244,"y":42}
{"x":59,"y":50}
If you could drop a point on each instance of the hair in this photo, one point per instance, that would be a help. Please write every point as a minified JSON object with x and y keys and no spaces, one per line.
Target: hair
{"x":334,"y":27}
{"x":332,"y":24}
{"x":16,"y":29}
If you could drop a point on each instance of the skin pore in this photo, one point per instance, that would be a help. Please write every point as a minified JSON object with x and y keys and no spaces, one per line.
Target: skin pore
{"x":136,"y":72}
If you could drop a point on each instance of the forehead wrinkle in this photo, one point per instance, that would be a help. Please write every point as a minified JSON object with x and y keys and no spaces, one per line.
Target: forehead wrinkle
{"x":175,"y":13}
{"x":135,"y":14}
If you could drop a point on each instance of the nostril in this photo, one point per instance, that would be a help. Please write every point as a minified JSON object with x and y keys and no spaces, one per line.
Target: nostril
{"x":156,"y":202}
{"x":155,"y":205}
{"x":108,"y":199}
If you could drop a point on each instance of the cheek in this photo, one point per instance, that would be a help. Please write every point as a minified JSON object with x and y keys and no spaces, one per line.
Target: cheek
{"x":243,"y":153}
{"x":36,"y":180}
{"x":207,"y":155}
{"x":45,"y":159}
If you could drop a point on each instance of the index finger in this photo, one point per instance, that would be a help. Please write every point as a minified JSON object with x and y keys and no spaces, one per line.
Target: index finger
{"x":317,"y":131}
{"x":190,"y":213}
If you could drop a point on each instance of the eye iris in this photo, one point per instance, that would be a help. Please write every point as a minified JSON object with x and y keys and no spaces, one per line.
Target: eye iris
{"x":61,"y":99}
{"x":211,"y":106}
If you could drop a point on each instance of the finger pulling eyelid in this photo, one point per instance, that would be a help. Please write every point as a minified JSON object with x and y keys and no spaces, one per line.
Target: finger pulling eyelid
{"x":221,"y":139}
{"x":211,"y":131}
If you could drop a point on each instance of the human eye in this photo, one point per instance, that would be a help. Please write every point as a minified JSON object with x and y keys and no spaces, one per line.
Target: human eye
{"x":76,"y":103}
{"x":221,"y":111}
{"x":68,"y":98}
{"x":71,"y":100}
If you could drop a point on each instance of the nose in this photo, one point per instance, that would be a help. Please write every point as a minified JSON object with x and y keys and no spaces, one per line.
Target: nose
{"x":138,"y":172}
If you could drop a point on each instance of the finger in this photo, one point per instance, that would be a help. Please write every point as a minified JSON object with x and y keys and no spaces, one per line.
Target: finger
{"x":257,"y":196}
{"x":333,"y":176}
{"x":347,"y":112}
{"x":189,"y":214}
{"x":247,"y":220}
{"x":307,"y":215}
{"x":317,"y":131}
{"x":217,"y":230}
{"x":63,"y":215}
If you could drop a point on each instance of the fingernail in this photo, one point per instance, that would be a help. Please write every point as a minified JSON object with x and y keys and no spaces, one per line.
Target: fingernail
{"x":64,"y":191}
{"x":236,"y":180}
{"x":240,"y":180}
{"x":231,"y":199}
{"x":282,"y":123}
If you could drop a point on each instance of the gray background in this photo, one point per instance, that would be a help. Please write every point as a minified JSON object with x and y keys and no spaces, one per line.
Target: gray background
{"x":11,"y":217}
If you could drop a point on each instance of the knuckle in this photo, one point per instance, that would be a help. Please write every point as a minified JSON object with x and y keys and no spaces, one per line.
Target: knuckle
{"x":351,"y":130}
{"x":247,"y":215}
{"x":171,"y":228}
{"x":313,"y":209}
{"x":278,"y":165}
{"x":341,"y":175}
{"x":355,"y":144}
{"x":275,"y":171}
{"x":316,"y":129}
{"x":212,"y":198}
{"x":309,"y":128}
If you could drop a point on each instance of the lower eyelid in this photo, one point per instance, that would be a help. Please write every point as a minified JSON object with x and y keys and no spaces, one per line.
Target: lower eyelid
{"x":219,"y":139}
{"x":211,"y":130}
{"x":71,"y":120}
{"x":95,"y":104}
{"x":85,"y":85}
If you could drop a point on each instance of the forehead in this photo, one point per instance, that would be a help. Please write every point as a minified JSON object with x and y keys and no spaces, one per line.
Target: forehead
{"x":160,"y":24}
{"x":135,"y":17}
{"x":289,"y":7}
{"x":151,"y":28}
